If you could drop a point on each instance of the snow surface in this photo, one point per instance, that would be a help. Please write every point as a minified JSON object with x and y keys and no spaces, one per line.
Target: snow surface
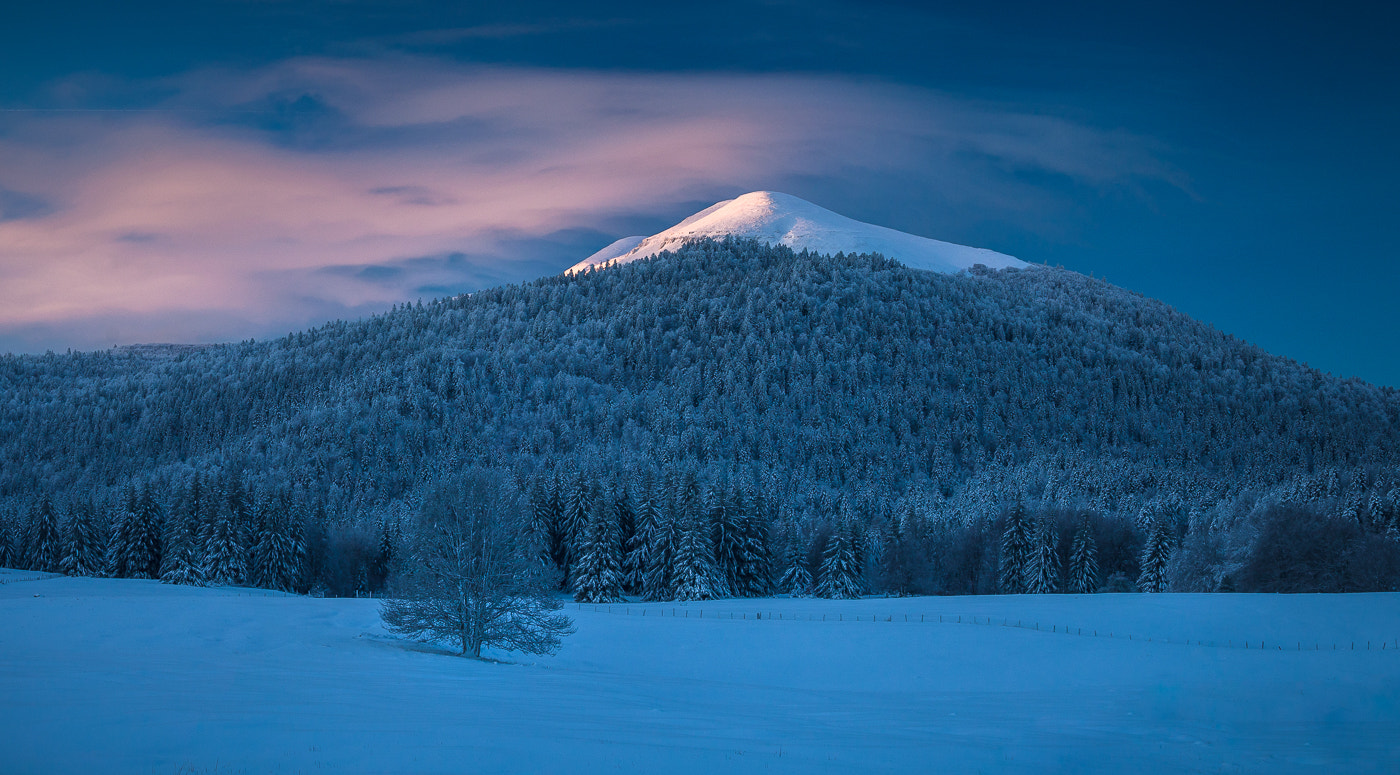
{"x":776,"y":218}
{"x":113,"y":676}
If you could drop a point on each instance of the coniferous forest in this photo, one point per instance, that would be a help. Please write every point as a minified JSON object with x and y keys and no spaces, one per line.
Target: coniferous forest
{"x":730,"y":420}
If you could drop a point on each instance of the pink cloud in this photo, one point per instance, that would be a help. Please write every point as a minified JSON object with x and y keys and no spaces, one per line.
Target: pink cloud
{"x":158,"y":216}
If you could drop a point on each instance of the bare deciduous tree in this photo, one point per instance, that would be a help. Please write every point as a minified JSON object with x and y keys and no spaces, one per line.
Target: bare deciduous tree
{"x":471,"y":577}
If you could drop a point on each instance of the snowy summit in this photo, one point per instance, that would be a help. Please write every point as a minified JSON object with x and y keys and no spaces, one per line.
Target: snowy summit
{"x":774,"y":218}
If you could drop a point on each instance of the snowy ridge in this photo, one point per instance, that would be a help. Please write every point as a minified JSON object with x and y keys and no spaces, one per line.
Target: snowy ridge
{"x":781,"y":219}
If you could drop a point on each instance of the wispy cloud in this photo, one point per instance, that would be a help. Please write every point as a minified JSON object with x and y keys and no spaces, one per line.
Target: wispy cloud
{"x":270,"y":199}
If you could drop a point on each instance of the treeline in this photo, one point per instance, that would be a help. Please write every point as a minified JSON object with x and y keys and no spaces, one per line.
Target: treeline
{"x":755,"y":416}
{"x":669,"y":534}
{"x":209,"y":531}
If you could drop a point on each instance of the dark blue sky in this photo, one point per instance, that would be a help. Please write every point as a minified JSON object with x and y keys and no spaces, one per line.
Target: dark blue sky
{"x":1239,"y":162}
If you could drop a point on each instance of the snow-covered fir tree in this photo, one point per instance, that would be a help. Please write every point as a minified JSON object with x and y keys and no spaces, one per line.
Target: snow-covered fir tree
{"x":277,"y":551}
{"x":694,"y":575}
{"x":48,"y":538}
{"x":182,"y":560}
{"x":753,"y":576}
{"x":638,"y":548}
{"x":1156,"y":553}
{"x":223,"y":549}
{"x":796,"y":577}
{"x":840,"y":570}
{"x":659,"y":581}
{"x":135,"y":548}
{"x":726,"y":532}
{"x":1043,"y":572}
{"x":597,"y":575}
{"x":1084,"y":559}
{"x":1015,"y":550}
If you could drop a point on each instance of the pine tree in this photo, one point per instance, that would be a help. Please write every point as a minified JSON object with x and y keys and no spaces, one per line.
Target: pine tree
{"x":1015,"y":551}
{"x":119,"y":551}
{"x":84,"y":551}
{"x":753,"y":577}
{"x":797,"y":577}
{"x":145,"y":548}
{"x":598,"y":570}
{"x":638,"y":547}
{"x":48,"y":539}
{"x":7,"y":554}
{"x":695,"y":576}
{"x":840,"y":571}
{"x":181,"y":561}
{"x":1084,"y":560}
{"x":278,"y":548}
{"x":578,"y":513}
{"x":136,"y":546}
{"x":223,"y":550}
{"x":1043,"y":577}
{"x":382,"y":563}
{"x":1156,"y":552}
{"x":660,"y":578}
{"x":726,"y":534}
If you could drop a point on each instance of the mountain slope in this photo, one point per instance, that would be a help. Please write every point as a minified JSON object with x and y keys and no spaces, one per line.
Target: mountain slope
{"x":907,"y":409}
{"x":780,"y":219}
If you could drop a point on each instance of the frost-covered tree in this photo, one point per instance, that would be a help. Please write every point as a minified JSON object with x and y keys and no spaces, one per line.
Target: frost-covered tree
{"x":840,"y":570}
{"x":48,"y":538}
{"x":182,"y":560}
{"x":753,"y":577}
{"x":277,"y":551}
{"x":644,"y":538}
{"x":796,"y":578}
{"x":135,"y":550}
{"x":1084,"y":559}
{"x":473,"y":579}
{"x":597,"y":576}
{"x":1156,"y":554}
{"x":1043,"y":572}
{"x":694,"y":575}
{"x":1015,"y":550}
{"x":223,"y":550}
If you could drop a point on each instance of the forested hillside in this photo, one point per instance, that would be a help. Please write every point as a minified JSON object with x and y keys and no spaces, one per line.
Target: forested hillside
{"x":729,"y":419}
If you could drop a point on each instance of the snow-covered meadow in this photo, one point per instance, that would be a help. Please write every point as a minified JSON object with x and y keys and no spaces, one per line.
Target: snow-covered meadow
{"x":120,"y":676}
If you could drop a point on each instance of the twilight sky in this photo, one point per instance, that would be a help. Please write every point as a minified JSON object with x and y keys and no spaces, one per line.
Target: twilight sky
{"x":223,"y":170}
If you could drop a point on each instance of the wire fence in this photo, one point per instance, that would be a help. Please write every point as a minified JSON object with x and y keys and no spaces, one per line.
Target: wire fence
{"x":1261,"y":644}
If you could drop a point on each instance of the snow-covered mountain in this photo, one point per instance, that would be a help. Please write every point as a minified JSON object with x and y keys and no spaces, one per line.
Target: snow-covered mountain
{"x":768,"y":216}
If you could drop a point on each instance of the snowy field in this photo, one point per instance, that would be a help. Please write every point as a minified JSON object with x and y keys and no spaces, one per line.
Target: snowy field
{"x":113,"y":676}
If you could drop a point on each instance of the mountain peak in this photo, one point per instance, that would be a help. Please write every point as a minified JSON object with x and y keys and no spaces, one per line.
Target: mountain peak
{"x":776,"y":218}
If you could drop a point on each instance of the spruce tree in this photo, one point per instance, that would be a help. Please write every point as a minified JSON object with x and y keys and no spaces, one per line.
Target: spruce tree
{"x":181,"y":561}
{"x":696,"y":577}
{"x":119,"y":517}
{"x":659,"y":581}
{"x":578,"y":513}
{"x":726,"y":534}
{"x":638,"y":547}
{"x":1156,"y":552}
{"x":753,"y":577}
{"x":48,"y":538}
{"x":796,"y":579}
{"x":598,"y":570}
{"x":7,"y":558}
{"x":694,"y":574}
{"x":1084,"y":559}
{"x":1044,"y":571}
{"x":1015,"y":551}
{"x":145,"y":548}
{"x":223,"y":550}
{"x":84,"y":550}
{"x":840,"y":570}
